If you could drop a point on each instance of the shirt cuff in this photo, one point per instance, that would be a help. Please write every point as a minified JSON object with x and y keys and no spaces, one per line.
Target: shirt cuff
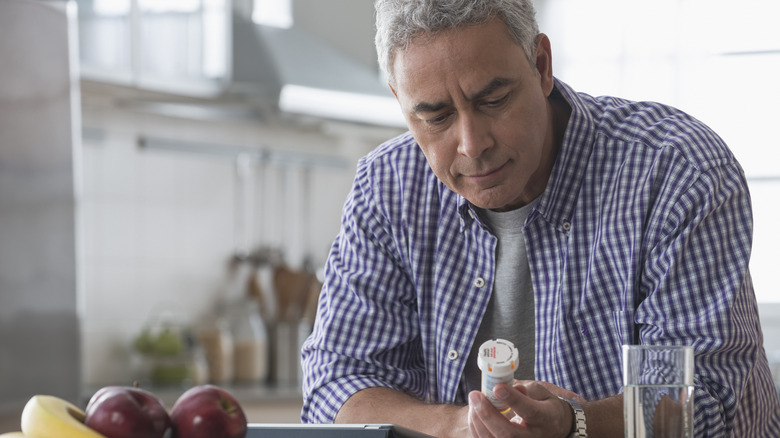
{"x":323,"y":403}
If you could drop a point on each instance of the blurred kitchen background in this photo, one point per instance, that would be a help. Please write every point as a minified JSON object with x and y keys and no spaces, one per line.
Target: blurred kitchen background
{"x":172,"y":171}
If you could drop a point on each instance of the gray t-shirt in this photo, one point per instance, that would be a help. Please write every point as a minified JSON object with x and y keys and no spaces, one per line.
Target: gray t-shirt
{"x":510,"y":311}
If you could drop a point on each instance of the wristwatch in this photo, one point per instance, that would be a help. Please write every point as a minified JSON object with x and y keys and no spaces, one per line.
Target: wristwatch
{"x":579,"y":429}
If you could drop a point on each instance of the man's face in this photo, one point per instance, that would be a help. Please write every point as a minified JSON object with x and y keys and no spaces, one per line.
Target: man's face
{"x":480,"y":112}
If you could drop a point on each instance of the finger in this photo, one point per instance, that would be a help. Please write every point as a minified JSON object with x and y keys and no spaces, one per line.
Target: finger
{"x":477,"y":426}
{"x":556,"y":390}
{"x":538,"y":406}
{"x":488,"y":419}
{"x":525,"y":399}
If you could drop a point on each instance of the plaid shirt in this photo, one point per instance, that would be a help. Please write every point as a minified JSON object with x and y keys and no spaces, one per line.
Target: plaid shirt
{"x":642,"y":235}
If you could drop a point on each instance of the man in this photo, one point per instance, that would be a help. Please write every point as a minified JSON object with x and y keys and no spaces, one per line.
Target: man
{"x":517,"y":208}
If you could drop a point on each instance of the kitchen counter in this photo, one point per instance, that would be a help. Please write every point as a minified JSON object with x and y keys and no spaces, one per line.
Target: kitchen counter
{"x":285,"y":411}
{"x":261,"y":404}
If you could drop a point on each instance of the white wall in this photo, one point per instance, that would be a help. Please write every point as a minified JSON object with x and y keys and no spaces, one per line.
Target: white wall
{"x":160,"y":226}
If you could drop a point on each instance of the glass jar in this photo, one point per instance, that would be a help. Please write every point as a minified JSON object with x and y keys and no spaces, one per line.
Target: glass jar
{"x":216,"y":340}
{"x":250,"y":343}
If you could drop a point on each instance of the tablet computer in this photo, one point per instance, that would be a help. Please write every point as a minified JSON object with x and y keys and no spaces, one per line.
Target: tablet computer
{"x":292,"y":430}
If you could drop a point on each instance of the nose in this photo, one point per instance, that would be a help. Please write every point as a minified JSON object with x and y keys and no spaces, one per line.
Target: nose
{"x":475,"y":136}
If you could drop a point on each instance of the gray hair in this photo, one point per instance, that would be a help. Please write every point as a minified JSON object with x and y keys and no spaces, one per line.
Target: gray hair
{"x":398,"y":22}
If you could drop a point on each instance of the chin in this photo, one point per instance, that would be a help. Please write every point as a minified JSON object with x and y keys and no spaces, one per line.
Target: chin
{"x":489,"y":201}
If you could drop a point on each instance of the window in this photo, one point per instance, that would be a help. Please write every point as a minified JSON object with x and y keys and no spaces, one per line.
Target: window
{"x":183,"y":38}
{"x":276,"y":13}
{"x":104,"y":36}
{"x":154,"y":43}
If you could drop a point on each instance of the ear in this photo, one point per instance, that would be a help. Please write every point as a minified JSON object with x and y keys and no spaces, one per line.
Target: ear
{"x":543,"y":61}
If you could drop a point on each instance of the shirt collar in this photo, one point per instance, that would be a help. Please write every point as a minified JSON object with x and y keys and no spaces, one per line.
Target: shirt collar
{"x":558,"y":202}
{"x":467,"y":213}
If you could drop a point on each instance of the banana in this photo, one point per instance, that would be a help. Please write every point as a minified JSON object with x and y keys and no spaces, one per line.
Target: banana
{"x":46,"y":416}
{"x":13,"y":435}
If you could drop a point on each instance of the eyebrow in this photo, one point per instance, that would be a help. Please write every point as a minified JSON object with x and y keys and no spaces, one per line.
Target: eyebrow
{"x":429,"y":107}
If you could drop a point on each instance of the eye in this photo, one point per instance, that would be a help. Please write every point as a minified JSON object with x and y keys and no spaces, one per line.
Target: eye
{"x":497,"y":102}
{"x":438,"y":120}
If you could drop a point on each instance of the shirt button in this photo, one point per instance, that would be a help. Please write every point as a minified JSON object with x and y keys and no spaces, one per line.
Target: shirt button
{"x":566,"y":226}
{"x":452,"y":355}
{"x":479,"y":282}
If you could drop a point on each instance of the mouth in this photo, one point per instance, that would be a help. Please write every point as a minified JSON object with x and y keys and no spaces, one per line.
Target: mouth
{"x":487,"y":174}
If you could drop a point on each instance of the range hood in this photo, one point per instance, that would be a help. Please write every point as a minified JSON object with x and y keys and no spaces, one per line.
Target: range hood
{"x":306,"y":76}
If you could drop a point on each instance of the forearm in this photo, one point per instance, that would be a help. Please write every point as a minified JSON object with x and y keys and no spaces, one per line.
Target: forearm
{"x":604,"y":417}
{"x":385,"y":405}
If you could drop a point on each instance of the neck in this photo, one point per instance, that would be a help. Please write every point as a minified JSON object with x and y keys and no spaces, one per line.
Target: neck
{"x":560,"y":113}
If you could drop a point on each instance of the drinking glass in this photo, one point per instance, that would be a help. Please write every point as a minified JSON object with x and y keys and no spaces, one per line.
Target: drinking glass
{"x":658,"y":391}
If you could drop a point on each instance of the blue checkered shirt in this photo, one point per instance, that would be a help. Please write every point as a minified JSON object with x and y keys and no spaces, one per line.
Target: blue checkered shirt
{"x":642,"y":235}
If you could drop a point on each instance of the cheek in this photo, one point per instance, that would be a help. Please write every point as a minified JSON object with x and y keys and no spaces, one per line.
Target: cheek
{"x":433,"y":158}
{"x":525,"y":132}
{"x":439,"y":159}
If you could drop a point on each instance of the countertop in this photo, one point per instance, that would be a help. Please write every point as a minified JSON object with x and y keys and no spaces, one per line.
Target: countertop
{"x":261,"y":404}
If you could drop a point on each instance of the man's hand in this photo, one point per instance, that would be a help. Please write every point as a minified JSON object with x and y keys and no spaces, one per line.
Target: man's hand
{"x":538,"y":412}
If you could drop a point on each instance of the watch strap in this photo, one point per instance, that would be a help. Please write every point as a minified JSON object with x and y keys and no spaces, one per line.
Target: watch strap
{"x":580,"y":428}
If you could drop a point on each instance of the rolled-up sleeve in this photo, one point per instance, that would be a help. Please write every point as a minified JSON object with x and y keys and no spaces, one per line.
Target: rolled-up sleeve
{"x":367,"y":332}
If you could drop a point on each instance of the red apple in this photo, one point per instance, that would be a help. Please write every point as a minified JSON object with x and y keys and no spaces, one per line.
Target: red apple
{"x":208,"y":411}
{"x":127,"y":412}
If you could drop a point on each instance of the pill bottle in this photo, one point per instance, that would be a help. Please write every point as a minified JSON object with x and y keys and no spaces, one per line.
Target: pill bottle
{"x":498,"y":359}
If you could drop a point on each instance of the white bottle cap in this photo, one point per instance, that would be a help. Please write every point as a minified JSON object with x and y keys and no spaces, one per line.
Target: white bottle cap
{"x":498,"y":357}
